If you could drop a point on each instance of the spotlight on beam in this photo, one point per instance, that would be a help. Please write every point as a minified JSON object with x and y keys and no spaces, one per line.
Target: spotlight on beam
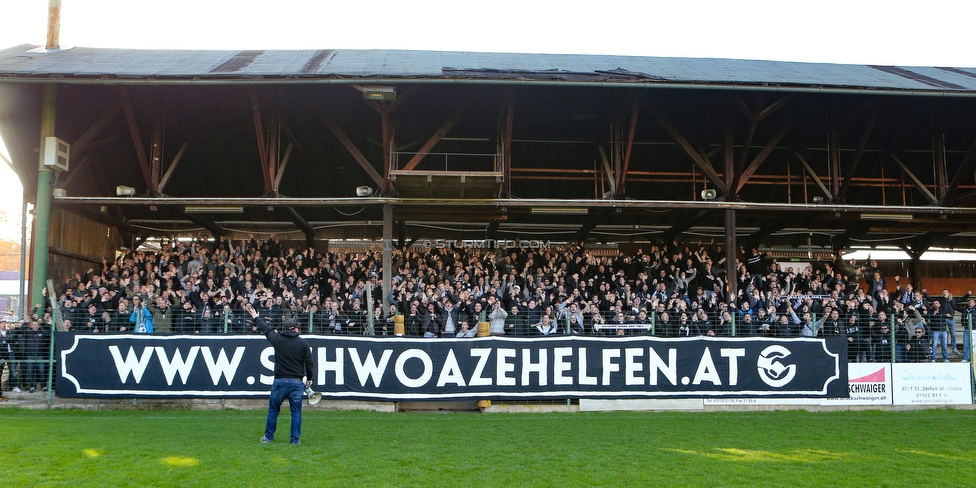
{"x":559,"y":211}
{"x":882,"y":216}
{"x":214,"y":209}
{"x":379,"y":93}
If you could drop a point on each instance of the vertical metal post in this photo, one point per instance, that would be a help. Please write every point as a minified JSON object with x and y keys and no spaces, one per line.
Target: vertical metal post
{"x":55,"y":325}
{"x":387,"y":255}
{"x":42,"y":210}
{"x":370,"y":319}
{"x":972,"y":385}
{"x":894,"y":348}
{"x":23,"y":260}
{"x":731,"y":276}
{"x":53,"y":25}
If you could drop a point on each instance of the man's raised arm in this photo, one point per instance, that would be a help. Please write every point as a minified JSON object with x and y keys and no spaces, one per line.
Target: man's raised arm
{"x":262,"y":324}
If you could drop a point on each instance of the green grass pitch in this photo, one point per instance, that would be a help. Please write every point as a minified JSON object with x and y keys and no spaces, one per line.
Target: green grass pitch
{"x":351,"y":449}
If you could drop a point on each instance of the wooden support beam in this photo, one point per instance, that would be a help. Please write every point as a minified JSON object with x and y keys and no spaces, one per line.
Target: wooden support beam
{"x":965,"y":200}
{"x":387,"y":134}
{"x":939,"y":159}
{"x":77,"y":169}
{"x":434,"y":139}
{"x":267,"y":147}
{"x":284,"y":164}
{"x":130,"y":117}
{"x":766,"y":150}
{"x":766,"y":112}
{"x":403,"y":97}
{"x":609,"y":171}
{"x":172,"y":167}
{"x":274,"y":142}
{"x":858,"y":155}
{"x":813,"y":174}
{"x":964,"y":171}
{"x":616,"y":156}
{"x":833,"y":160}
{"x":509,"y":109}
{"x":156,"y":154}
{"x":302,"y":224}
{"x":81,"y":144}
{"x":353,"y":150}
{"x":746,"y":147}
{"x":917,"y":182}
{"x":634,"y":112}
{"x":703,"y":165}
{"x":737,"y":174}
{"x":741,"y":105}
{"x":729,"y":159}
{"x":590,"y":223}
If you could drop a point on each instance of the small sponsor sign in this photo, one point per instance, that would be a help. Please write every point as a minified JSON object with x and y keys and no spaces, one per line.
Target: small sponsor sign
{"x":868,"y":384}
{"x":932,"y":384}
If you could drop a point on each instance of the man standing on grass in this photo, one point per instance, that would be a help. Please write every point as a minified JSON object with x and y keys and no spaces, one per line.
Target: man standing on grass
{"x":293,"y":362}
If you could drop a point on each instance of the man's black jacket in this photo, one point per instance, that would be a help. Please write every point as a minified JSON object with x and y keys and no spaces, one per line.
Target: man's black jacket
{"x":293,"y":357}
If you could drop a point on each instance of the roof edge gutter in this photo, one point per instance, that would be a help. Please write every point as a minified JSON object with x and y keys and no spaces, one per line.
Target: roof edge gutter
{"x":656,"y":84}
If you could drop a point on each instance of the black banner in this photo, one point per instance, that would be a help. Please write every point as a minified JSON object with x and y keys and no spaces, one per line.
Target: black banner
{"x":393,"y":369}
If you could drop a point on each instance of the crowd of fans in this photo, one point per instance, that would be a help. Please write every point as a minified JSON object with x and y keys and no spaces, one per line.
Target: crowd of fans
{"x":667,"y":290}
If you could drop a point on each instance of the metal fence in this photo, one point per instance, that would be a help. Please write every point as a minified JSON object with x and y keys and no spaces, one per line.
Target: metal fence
{"x":27,"y":367}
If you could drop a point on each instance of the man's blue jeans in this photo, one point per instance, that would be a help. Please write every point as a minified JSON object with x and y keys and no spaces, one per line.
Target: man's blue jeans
{"x":967,"y":346}
{"x":292,"y":389}
{"x":952,"y":332}
{"x":940,"y":336}
{"x":900,"y":356}
{"x":13,"y":365}
{"x":36,"y":371}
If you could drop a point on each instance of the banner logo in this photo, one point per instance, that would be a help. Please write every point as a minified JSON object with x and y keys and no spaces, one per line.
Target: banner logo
{"x":771,"y":370}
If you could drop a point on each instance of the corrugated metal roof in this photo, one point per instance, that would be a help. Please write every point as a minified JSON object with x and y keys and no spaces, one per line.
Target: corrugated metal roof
{"x":78,"y":64}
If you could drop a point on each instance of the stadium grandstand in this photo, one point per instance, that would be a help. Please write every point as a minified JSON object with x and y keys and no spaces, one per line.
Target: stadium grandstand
{"x":596,"y":195}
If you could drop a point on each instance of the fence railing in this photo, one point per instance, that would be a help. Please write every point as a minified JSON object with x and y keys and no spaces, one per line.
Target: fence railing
{"x":869,"y":341}
{"x":29,"y":367}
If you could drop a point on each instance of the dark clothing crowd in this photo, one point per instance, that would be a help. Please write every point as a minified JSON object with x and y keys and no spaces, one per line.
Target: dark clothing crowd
{"x":666,"y":290}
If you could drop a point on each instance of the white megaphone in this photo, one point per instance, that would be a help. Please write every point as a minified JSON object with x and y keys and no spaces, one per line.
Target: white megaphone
{"x":314,"y":397}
